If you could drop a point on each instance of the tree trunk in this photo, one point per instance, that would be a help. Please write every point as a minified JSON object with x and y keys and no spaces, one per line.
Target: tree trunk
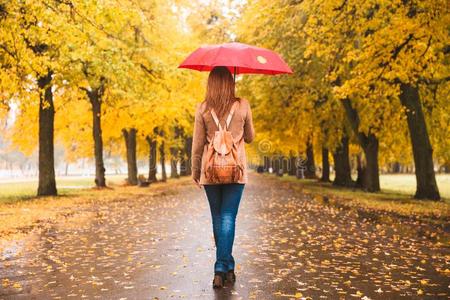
{"x":173,"y":163}
{"x":185,"y":166}
{"x":130,"y":143}
{"x":47,"y":182}
{"x":369,"y":144}
{"x":360,"y":171}
{"x":174,"y":155}
{"x":371,"y":179}
{"x":310,"y":171}
{"x":421,"y":146}
{"x":162,"y":159}
{"x":151,"y":159}
{"x":395,"y":168}
{"x":188,"y":155}
{"x":291,"y":165}
{"x":266,"y":164}
{"x":325,"y":165}
{"x":342,"y":165}
{"x":275,"y":164}
{"x":95,"y":96}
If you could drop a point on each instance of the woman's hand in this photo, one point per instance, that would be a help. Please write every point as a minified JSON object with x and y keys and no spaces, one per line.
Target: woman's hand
{"x":197,"y":183}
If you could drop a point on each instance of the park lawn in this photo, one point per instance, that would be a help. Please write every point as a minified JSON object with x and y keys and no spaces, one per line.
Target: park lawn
{"x":396,"y":196}
{"x":406,"y":184}
{"x":18,"y":190}
{"x":17,"y":218}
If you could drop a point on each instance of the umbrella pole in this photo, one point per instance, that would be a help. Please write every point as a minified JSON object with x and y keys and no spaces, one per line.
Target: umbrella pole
{"x":234,"y":74}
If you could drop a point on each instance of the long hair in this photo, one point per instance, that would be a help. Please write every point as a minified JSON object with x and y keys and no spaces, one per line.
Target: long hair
{"x":220,"y":91}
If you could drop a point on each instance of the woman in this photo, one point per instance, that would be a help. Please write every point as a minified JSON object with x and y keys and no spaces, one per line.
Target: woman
{"x":223,"y":198}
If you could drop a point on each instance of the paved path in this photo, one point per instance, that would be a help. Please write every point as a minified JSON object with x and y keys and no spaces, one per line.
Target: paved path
{"x":288,"y":245}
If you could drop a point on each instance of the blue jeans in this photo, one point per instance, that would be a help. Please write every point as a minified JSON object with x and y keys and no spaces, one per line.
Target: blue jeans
{"x":224,"y":203}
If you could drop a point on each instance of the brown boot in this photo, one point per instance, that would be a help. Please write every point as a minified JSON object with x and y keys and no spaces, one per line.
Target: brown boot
{"x":219,"y":280}
{"x":231,"y":276}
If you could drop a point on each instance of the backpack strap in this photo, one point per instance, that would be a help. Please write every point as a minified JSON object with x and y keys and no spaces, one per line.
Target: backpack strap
{"x":216,"y":120}
{"x":230,"y":116}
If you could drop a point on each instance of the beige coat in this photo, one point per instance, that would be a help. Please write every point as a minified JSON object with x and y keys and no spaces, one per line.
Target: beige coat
{"x":241,"y":127}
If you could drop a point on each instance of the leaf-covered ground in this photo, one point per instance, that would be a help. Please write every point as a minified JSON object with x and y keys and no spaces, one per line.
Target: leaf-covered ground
{"x":157,"y":243}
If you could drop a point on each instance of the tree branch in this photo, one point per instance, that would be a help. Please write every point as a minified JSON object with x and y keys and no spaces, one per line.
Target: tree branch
{"x":147,"y":70}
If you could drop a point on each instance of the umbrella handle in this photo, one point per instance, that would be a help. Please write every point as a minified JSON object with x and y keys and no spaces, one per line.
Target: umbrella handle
{"x":234,"y":75}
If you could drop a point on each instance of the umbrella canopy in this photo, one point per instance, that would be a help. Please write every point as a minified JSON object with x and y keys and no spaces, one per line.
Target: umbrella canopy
{"x":239,"y":58}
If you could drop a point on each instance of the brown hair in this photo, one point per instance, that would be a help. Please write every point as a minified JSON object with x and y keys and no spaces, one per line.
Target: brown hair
{"x":220,"y":90}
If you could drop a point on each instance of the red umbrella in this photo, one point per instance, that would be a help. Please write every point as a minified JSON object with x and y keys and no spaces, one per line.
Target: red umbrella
{"x":239,"y":58}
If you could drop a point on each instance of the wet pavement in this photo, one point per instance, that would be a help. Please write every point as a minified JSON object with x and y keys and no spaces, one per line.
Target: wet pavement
{"x":288,"y":245}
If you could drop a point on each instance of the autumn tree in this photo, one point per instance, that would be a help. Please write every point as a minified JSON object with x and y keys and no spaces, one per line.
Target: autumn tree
{"x":381,"y":63}
{"x":33,"y":40}
{"x":386,"y":51}
{"x":100,"y":52}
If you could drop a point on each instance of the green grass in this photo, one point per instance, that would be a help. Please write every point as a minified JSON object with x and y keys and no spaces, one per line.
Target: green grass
{"x":402,"y":186}
{"x":19,"y":216}
{"x":24,"y":190}
{"x":406,"y":183}
{"x":396,"y":195}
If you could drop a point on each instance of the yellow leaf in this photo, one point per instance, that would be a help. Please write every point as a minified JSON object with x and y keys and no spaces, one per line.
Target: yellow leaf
{"x":17,"y":285}
{"x":424,"y":281}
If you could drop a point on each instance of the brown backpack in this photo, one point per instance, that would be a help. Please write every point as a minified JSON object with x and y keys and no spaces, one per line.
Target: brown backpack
{"x":222,"y":162}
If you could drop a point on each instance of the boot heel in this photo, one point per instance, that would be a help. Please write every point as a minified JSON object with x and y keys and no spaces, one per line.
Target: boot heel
{"x":219,"y":280}
{"x":231,"y":276}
